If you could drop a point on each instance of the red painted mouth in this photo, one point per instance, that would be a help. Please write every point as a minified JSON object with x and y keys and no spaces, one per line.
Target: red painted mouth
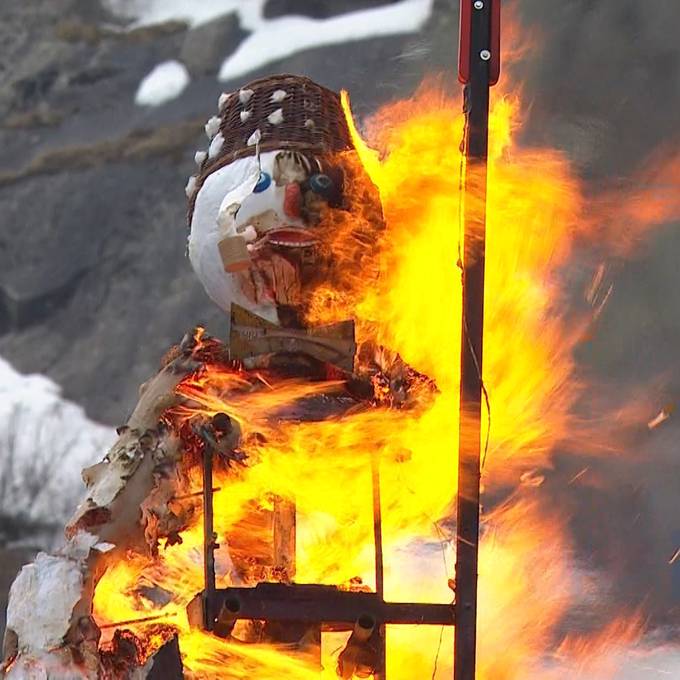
{"x":289,"y":237}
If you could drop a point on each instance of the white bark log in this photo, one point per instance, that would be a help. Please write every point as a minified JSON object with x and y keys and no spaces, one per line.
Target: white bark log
{"x":50,"y":633}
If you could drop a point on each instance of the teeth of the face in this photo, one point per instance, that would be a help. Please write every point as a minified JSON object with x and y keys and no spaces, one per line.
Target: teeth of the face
{"x":290,"y":242}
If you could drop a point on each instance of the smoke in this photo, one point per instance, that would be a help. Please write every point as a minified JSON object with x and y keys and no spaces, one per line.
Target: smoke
{"x":605,"y":80}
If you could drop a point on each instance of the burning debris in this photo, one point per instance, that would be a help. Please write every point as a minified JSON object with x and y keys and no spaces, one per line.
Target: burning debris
{"x":663,"y":415}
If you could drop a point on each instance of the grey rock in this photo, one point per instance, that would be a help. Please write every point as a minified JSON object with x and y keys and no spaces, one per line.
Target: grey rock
{"x":206,"y":46}
{"x":320,"y":9}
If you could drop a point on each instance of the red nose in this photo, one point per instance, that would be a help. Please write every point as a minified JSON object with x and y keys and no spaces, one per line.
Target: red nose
{"x":292,"y":201}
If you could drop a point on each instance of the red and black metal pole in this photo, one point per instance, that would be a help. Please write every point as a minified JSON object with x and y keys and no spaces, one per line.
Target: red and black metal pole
{"x":479,"y":67}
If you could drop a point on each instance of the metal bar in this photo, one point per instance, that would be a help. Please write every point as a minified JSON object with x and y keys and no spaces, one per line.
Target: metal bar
{"x":377,"y":526}
{"x":476,"y":151}
{"x":194,"y":494}
{"x":132,"y":622}
{"x":379,"y":571}
{"x":325,"y":604}
{"x":208,"y":535}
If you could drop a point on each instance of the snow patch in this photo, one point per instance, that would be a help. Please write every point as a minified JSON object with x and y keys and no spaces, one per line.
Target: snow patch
{"x":245,"y":95}
{"x":212,"y":126}
{"x":190,"y":187}
{"x":273,"y":39}
{"x":216,"y":145}
{"x":276,"y":117}
{"x":255,"y":138}
{"x":279,"y":38}
{"x":164,"y":83}
{"x":644,"y":660}
{"x":193,"y":12}
{"x":45,"y":441}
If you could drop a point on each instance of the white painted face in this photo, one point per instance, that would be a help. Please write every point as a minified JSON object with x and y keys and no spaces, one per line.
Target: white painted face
{"x":236,"y":180}
{"x":262,"y":214}
{"x":265,"y":207}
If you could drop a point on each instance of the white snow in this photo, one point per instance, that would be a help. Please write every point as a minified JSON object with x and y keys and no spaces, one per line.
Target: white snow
{"x":190,"y":186}
{"x":199,"y":157}
{"x":245,"y":95}
{"x":193,"y":12}
{"x":276,"y":39}
{"x":645,"y":660}
{"x":255,"y":138}
{"x":212,"y":126}
{"x":275,"y":117}
{"x":45,"y":441}
{"x":216,"y":145}
{"x":273,"y":39}
{"x":222,"y":101}
{"x":244,"y":115}
{"x":165,"y":82}
{"x":278,"y":96}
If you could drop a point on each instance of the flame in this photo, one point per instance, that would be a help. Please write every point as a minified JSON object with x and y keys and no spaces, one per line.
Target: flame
{"x":536,"y":212}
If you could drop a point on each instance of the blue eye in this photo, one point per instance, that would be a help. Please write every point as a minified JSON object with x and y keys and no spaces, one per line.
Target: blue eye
{"x":263,"y":183}
{"x":320,"y":184}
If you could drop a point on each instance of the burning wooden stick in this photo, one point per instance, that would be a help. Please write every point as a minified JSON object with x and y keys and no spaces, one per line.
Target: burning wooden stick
{"x":663,"y":415}
{"x":675,"y":557}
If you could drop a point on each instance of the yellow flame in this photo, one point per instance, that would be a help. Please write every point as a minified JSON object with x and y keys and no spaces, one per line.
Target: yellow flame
{"x":535,"y":211}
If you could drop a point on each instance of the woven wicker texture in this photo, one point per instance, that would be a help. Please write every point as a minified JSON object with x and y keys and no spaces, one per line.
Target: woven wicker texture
{"x":282,"y":112}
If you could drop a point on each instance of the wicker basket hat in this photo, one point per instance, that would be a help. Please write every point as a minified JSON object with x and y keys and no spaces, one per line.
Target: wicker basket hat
{"x":277,"y":112}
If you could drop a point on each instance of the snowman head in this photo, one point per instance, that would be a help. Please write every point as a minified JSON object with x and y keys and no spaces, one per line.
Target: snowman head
{"x":278,"y":180}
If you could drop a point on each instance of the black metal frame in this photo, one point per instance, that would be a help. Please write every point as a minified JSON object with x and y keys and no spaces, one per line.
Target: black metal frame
{"x":334,"y":608}
{"x":329,"y":607}
{"x":483,"y":43}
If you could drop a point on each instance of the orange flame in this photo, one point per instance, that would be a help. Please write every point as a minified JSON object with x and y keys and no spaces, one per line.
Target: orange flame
{"x":536,"y":210}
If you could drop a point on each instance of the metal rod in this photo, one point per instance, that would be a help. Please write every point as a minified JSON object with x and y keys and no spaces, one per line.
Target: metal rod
{"x":194,"y":494}
{"x":329,"y":605}
{"x":379,"y":570}
{"x":377,"y":526}
{"x":131,"y":622}
{"x":208,"y":534}
{"x":475,"y":177}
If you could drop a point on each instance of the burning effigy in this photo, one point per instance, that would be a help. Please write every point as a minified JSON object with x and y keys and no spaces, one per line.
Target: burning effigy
{"x":282,"y":215}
